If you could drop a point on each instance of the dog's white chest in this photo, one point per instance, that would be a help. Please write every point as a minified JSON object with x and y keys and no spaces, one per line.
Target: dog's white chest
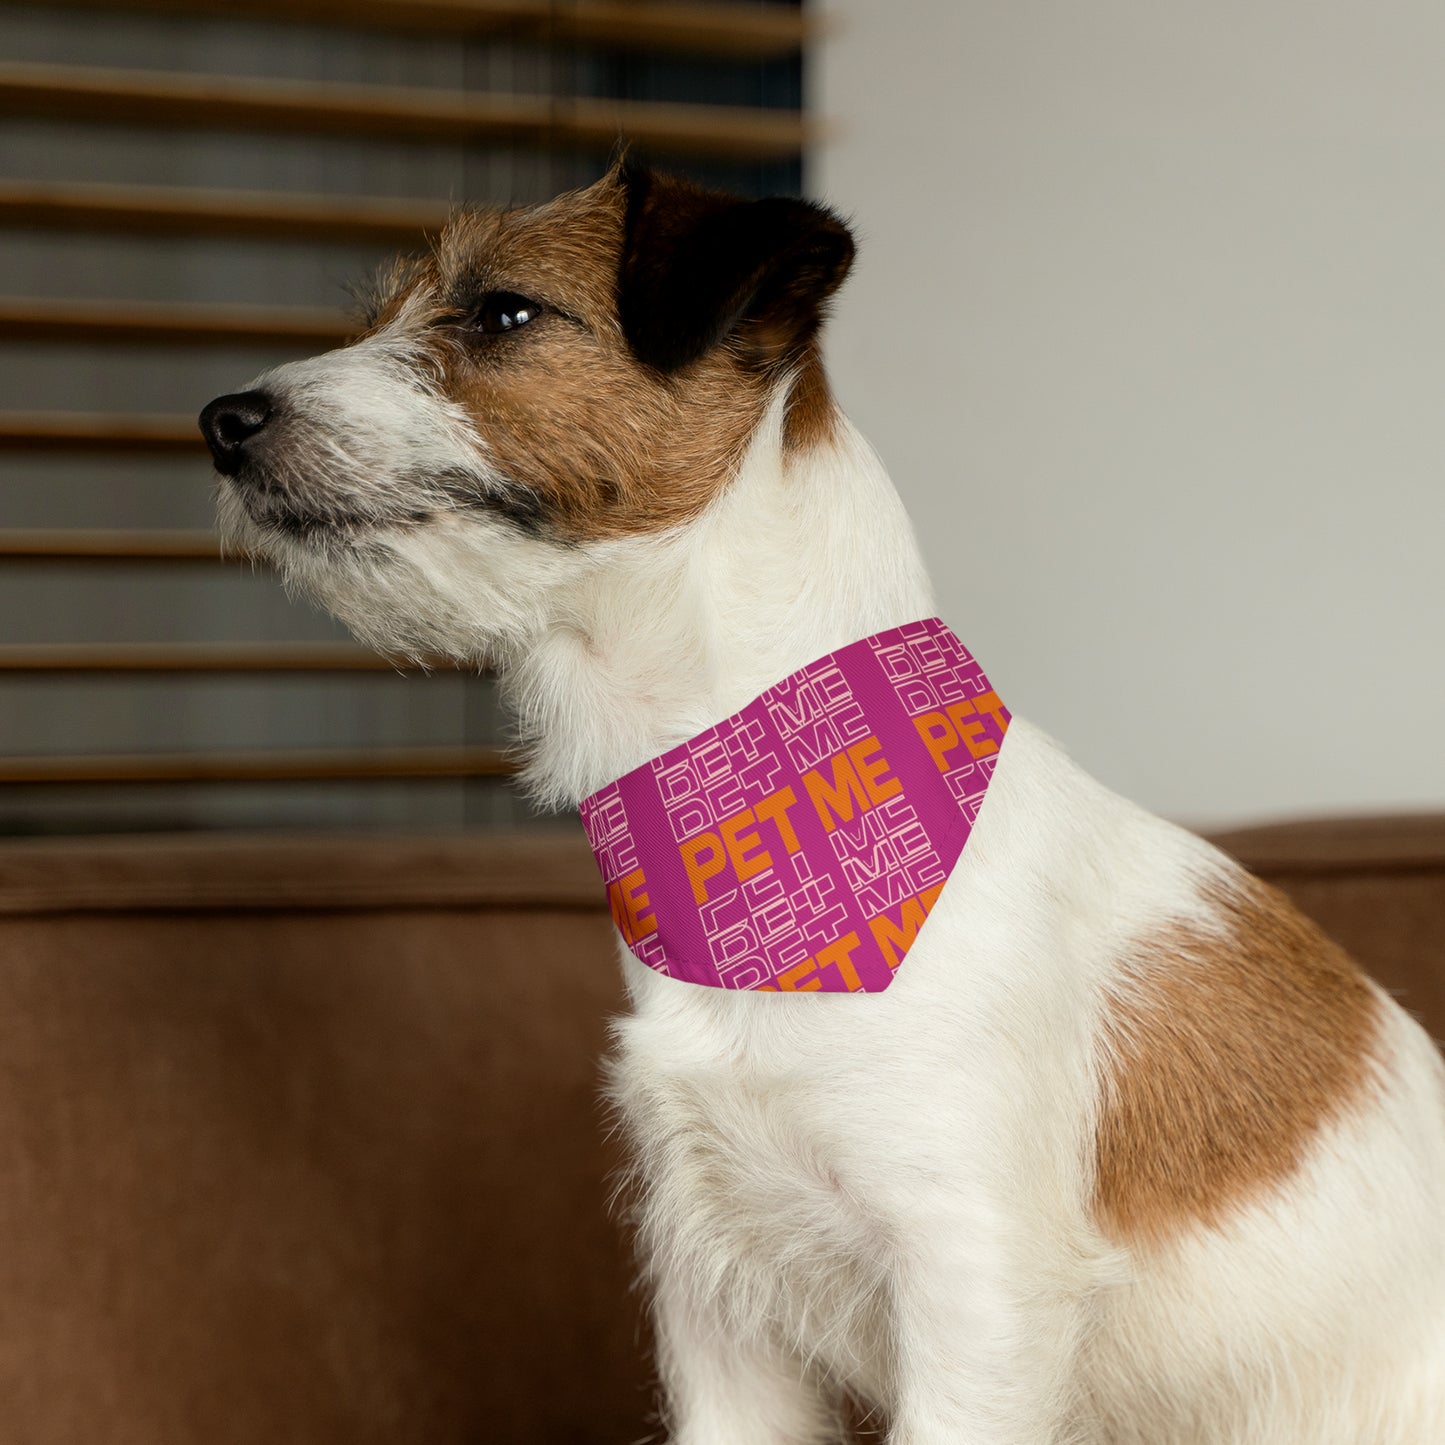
{"x":749,"y":1190}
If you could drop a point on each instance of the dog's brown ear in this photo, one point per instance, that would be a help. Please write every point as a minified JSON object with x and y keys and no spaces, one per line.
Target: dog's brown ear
{"x":699,"y":266}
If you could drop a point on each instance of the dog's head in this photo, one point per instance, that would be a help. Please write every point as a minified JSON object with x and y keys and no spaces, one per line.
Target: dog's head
{"x":545,"y":383}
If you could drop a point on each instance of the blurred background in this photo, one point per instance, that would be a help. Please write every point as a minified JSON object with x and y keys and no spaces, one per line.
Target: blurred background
{"x":1149,"y":324}
{"x":1146,"y":323}
{"x":187,"y":191}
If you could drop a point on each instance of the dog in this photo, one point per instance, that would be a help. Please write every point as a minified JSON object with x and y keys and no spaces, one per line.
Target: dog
{"x":1127,"y":1153}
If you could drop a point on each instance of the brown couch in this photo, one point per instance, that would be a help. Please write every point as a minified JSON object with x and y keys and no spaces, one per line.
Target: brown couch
{"x":301,"y":1140}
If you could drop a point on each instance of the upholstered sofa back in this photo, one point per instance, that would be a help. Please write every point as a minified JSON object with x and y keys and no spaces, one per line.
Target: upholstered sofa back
{"x":302,"y":1140}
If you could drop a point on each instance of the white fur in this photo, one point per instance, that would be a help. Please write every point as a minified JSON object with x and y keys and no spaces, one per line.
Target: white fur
{"x":890,"y":1194}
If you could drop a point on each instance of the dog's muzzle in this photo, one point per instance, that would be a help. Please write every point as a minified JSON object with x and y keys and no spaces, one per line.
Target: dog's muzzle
{"x":230,"y":422}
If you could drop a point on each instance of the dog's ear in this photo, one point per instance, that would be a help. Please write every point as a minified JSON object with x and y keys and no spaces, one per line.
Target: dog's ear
{"x":699,"y":266}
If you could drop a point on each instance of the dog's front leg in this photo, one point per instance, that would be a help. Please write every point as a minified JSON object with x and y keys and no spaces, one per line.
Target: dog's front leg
{"x":984,"y":1348}
{"x":722,"y":1388}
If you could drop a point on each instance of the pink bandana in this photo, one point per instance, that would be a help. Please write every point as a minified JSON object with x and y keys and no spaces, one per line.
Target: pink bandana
{"x":799,"y":845}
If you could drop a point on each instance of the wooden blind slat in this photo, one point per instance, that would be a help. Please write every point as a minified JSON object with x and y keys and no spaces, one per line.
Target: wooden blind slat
{"x":175,"y":210}
{"x":76,"y":544}
{"x":79,"y":431}
{"x":709,"y":29}
{"x":259,"y":767}
{"x":756,"y":32}
{"x":134,"y":657}
{"x":170,"y":323}
{"x":113,"y":97}
{"x":217,"y":102}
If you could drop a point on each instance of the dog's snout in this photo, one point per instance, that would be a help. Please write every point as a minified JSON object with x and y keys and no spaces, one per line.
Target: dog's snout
{"x":229,"y":422}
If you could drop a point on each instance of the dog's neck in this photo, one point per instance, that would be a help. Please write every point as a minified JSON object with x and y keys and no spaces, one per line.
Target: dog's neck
{"x":668,"y":635}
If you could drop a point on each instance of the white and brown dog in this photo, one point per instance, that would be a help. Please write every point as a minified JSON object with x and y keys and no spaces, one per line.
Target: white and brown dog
{"x":1129,"y":1153}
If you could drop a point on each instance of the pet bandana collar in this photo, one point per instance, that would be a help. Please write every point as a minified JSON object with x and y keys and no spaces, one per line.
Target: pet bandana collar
{"x":799,"y":845}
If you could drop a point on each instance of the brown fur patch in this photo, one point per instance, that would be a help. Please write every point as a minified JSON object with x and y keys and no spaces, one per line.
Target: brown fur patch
{"x":601,"y":444}
{"x":812,"y":413}
{"x":1226,"y":1054}
{"x":610,"y":447}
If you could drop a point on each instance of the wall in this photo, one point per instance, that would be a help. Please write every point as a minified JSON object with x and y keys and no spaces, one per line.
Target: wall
{"x":1149,"y":323}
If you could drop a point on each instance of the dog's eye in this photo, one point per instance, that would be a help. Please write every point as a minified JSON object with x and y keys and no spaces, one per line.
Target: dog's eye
{"x":504,"y":311}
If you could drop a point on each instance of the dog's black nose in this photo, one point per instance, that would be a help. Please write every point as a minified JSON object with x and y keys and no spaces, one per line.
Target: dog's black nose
{"x":229,"y":422}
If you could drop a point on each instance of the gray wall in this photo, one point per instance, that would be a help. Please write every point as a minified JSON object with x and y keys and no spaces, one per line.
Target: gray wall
{"x":1149,"y":324}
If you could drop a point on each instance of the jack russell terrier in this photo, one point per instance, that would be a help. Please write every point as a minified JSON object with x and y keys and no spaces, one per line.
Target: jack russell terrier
{"x":1117,"y":1149}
